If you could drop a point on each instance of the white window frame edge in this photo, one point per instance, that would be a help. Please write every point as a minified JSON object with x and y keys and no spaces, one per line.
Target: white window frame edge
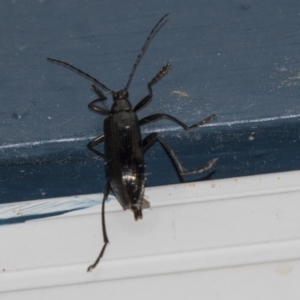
{"x":282,"y":189}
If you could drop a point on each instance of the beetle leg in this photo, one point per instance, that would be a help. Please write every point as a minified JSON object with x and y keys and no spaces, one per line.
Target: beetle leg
{"x":157,"y":117}
{"x":93,"y":143}
{"x":105,"y":238}
{"x":164,"y":70}
{"x":102,"y":97}
{"x":99,"y":92}
{"x":153,"y":137}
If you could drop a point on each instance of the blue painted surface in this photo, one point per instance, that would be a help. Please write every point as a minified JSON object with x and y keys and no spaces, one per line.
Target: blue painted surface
{"x":238,"y":59}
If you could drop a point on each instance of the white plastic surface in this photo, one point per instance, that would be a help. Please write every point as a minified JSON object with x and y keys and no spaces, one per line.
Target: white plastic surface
{"x":235,"y":238}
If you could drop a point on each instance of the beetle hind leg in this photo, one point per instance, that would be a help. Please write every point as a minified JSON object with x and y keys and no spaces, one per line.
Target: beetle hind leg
{"x":105,"y":238}
{"x":153,"y":137}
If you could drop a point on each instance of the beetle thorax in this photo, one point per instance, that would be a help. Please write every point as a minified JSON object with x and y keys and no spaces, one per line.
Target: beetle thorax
{"x":121,"y":102}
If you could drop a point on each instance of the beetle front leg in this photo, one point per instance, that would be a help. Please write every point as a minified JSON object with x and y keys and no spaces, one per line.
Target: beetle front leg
{"x":95,"y":107}
{"x":153,"y":137}
{"x":105,"y":238}
{"x":157,"y":117}
{"x":93,"y":143}
{"x":163,"y":71}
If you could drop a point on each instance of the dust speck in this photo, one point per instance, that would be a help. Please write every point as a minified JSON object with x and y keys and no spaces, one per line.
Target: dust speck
{"x":283,"y":268}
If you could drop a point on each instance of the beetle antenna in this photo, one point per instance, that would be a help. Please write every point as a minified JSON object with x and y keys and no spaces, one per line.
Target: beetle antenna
{"x":143,"y":49}
{"x":86,"y":75}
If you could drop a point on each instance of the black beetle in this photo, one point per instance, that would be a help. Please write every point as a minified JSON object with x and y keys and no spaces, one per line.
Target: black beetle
{"x":124,"y":147}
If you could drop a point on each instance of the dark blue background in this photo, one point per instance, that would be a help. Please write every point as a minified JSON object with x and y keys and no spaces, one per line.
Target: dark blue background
{"x":237,"y":59}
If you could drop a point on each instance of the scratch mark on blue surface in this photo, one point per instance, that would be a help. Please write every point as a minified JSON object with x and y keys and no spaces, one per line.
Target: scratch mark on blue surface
{"x":39,"y":143}
{"x":253,"y":121}
{"x":218,"y":124}
{"x":173,"y":128}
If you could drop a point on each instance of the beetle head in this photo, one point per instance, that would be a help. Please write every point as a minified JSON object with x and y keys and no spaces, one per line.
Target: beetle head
{"x":121,"y":102}
{"x":120,"y":95}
